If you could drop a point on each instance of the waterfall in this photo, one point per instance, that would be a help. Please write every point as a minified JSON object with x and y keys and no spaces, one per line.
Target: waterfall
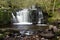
{"x":22,"y":16}
{"x":14,"y":18}
{"x":40,"y":17}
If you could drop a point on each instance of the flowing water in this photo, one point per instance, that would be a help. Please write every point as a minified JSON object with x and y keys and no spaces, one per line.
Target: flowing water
{"x":27,"y":18}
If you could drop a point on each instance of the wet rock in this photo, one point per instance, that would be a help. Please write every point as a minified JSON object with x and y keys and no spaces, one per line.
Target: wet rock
{"x":29,"y":32}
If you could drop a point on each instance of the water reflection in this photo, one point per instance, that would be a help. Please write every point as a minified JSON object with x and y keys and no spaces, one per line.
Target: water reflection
{"x":24,"y":27}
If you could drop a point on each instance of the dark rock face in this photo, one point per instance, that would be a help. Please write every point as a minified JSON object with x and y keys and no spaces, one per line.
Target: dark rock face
{"x":34,"y":17}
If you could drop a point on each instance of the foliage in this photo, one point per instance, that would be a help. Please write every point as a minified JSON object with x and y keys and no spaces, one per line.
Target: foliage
{"x":5,"y":16}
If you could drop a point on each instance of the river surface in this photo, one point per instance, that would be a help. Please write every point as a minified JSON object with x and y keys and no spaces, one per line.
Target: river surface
{"x":24,"y":27}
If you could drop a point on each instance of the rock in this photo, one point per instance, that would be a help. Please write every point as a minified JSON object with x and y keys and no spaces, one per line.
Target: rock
{"x":43,"y":39}
{"x":50,"y":27}
{"x":55,"y":29}
{"x":47,"y":34}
